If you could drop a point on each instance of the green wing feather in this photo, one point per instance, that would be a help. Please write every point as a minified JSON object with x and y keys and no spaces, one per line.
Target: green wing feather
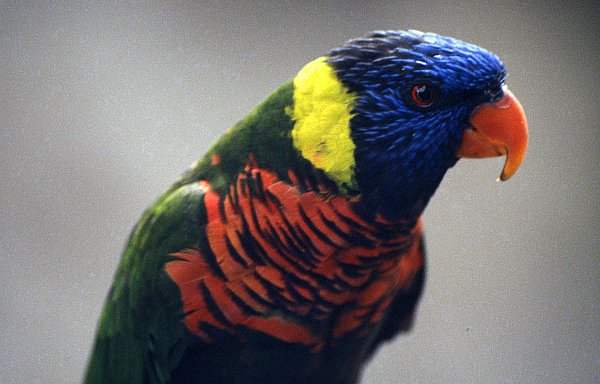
{"x":141,"y":337}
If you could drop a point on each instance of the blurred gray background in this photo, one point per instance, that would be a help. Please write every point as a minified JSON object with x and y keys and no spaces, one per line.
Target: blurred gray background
{"x":102,"y":106}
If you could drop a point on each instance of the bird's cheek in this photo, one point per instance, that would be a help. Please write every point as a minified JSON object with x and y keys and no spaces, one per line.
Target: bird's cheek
{"x":497,"y":129}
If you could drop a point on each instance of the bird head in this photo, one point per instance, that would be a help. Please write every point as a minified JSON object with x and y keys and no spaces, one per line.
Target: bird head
{"x":390,"y":113}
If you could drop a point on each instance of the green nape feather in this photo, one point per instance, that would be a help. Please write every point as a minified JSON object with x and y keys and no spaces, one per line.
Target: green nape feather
{"x":141,"y":337}
{"x":265,"y":134}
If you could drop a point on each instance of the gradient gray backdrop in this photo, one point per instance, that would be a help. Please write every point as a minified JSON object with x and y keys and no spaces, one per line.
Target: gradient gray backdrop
{"x":102,"y":106}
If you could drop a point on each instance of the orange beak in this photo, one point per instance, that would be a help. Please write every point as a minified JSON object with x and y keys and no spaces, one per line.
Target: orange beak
{"x":497,"y":129}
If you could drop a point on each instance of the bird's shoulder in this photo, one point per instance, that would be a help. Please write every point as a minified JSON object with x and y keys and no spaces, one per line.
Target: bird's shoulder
{"x":139,"y":334}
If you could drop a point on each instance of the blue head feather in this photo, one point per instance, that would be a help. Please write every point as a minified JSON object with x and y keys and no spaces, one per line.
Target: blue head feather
{"x":403,"y":151}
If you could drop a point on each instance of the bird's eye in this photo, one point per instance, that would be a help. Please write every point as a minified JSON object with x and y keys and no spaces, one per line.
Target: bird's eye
{"x":422,"y":95}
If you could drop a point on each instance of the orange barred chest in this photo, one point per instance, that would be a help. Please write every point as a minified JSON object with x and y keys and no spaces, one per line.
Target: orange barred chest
{"x":296,"y":264}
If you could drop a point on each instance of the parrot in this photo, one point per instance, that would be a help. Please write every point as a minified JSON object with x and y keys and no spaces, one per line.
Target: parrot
{"x":294,"y":248}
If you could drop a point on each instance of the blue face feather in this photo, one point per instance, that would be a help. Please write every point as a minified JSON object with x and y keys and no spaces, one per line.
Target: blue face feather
{"x":415,"y":93}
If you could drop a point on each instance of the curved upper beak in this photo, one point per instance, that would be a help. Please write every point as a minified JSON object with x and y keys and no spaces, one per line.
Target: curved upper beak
{"x":497,"y":129}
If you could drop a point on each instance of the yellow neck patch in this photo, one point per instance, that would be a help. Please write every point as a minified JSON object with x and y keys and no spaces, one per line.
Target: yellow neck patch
{"x":321,"y":115}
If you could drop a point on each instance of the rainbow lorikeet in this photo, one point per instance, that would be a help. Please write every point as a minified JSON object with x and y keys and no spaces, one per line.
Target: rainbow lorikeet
{"x":294,"y":247}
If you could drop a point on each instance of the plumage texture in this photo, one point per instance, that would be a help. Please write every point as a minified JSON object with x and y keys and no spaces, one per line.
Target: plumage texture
{"x":294,"y":248}
{"x":273,"y":248}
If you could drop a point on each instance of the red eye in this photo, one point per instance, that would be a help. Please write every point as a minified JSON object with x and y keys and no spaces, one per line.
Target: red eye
{"x":422,"y":95}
